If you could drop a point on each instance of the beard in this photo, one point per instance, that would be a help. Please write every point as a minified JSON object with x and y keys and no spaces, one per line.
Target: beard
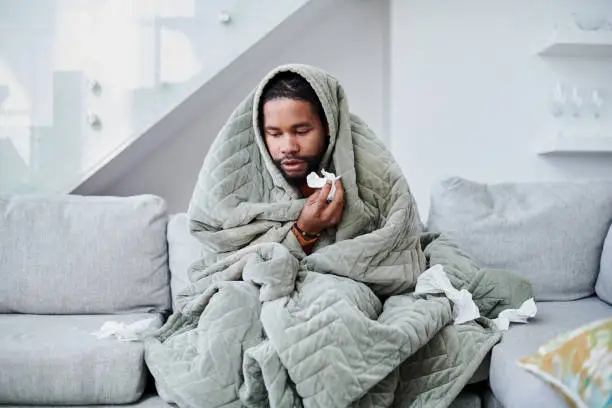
{"x":312,"y":162}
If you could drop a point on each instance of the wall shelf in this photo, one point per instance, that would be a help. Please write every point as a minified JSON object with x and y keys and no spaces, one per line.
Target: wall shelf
{"x":585,"y":44}
{"x":559,"y":144}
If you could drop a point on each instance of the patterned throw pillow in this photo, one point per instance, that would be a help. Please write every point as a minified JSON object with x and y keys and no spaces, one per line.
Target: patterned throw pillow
{"x":578,"y":365}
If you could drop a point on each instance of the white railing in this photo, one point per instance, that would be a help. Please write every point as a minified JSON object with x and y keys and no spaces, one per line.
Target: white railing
{"x":80,"y":80}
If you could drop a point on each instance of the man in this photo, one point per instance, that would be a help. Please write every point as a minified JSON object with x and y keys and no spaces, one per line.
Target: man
{"x":301,"y":302}
{"x":296,"y":134}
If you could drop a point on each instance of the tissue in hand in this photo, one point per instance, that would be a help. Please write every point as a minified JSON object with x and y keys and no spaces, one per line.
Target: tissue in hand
{"x":315,"y":181}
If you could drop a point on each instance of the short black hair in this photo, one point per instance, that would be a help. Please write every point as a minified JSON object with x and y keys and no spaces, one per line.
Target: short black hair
{"x":290,"y":85}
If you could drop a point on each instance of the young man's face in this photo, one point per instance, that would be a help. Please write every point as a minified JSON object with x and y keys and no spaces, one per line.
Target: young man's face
{"x":295,"y":137}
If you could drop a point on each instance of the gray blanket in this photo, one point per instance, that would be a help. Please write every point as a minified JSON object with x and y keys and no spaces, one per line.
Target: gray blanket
{"x":266,"y":325}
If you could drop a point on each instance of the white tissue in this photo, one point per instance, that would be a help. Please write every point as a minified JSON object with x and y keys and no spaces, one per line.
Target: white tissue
{"x":125,"y":332}
{"x":434,"y":280}
{"x":527,"y":310}
{"x":315,"y":181}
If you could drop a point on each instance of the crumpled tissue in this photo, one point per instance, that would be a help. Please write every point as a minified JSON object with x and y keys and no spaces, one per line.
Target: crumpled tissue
{"x":434,"y":281}
{"x":527,"y":310}
{"x":126,"y":332}
{"x":315,"y":181}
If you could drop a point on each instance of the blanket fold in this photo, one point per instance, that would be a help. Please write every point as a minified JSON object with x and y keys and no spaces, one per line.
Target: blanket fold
{"x":265,"y":325}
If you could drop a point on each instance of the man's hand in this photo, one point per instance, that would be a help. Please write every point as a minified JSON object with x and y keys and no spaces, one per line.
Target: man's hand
{"x":317,"y":214}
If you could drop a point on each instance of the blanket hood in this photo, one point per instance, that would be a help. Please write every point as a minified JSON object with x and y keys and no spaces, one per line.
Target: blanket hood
{"x":239,"y":182}
{"x":330,"y":94}
{"x":241,"y":196}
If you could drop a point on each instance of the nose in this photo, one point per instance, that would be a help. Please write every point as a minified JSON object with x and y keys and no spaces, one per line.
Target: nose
{"x":290,"y":145}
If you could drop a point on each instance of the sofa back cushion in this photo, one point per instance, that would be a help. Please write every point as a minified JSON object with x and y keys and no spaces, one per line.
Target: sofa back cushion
{"x":81,"y":255}
{"x":549,"y":233}
{"x":603,"y":286}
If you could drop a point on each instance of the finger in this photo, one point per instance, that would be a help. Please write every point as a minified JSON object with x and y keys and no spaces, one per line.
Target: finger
{"x":324,"y":192}
{"x":338,"y":200}
{"x":335,"y":208}
{"x":338,"y":219}
{"x":313,"y":198}
{"x":339,"y":192}
{"x":332,"y":218}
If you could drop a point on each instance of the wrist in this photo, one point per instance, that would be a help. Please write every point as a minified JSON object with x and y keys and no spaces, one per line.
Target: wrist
{"x":306,"y":232}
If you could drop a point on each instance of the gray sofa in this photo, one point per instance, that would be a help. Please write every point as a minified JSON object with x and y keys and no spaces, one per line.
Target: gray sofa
{"x":557,"y":235}
{"x":68,"y":264}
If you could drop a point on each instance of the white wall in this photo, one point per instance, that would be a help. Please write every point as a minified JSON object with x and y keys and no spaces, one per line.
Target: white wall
{"x":351,"y":41}
{"x":465,"y":96}
{"x":468,"y":96}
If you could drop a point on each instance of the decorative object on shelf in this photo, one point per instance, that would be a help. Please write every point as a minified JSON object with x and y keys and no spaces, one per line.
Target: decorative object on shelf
{"x":94,"y":121}
{"x":559,"y":101}
{"x":593,"y":15}
{"x":580,"y":103}
{"x":94,"y":87}
{"x":577,"y":102}
{"x":225,"y":17}
{"x":590,"y":20}
{"x":597,"y":103}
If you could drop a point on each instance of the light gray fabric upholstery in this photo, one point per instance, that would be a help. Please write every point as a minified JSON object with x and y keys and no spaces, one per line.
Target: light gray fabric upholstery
{"x":56,"y":360}
{"x":183,"y":250}
{"x":549,"y":233}
{"x":149,"y":400}
{"x":80,"y":255}
{"x":513,"y":386}
{"x":603,"y":287}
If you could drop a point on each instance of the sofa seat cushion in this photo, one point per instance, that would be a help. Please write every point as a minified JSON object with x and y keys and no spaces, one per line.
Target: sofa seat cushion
{"x":55,"y":359}
{"x":515,"y":387}
{"x":148,"y":400}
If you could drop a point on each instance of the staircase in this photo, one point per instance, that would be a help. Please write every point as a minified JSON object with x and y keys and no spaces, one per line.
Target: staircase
{"x":89,"y":87}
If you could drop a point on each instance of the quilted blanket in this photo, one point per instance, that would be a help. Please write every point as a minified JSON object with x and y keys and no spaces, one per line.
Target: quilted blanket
{"x":265,"y":325}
